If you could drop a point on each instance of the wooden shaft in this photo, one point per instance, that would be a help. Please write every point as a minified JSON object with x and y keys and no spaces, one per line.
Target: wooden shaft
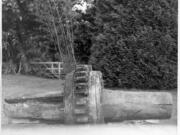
{"x":35,"y":111}
{"x":116,"y":107}
{"x":107,"y":105}
{"x":45,"y":106}
{"x":129,"y":105}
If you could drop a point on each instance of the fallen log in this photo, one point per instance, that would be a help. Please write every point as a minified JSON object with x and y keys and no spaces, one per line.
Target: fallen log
{"x":85,"y":101}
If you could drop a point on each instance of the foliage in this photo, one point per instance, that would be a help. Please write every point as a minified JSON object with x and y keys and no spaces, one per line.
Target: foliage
{"x":135,"y":45}
{"x":21,"y":40}
{"x":133,"y":42}
{"x":83,"y":33}
{"x":56,"y":18}
{"x":36,"y":30}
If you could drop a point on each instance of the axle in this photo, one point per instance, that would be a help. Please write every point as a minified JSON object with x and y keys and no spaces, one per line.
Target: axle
{"x":85,"y":101}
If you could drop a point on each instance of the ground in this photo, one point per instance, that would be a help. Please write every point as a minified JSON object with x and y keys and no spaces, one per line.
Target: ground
{"x":18,"y":85}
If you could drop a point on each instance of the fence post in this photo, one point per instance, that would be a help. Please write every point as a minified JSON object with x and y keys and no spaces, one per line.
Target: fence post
{"x":59,"y":68}
{"x":52,"y":66}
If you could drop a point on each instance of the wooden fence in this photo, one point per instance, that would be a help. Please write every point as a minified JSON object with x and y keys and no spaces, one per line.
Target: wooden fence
{"x":53,"y":68}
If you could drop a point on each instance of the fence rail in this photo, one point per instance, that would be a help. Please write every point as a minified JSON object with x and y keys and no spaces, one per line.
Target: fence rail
{"x":55,"y":68}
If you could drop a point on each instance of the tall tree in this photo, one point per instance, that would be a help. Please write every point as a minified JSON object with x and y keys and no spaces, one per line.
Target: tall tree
{"x":57,"y":19}
{"x":21,"y":39}
{"x":135,"y":45}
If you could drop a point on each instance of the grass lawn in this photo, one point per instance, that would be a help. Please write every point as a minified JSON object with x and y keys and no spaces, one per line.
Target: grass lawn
{"x":18,"y":85}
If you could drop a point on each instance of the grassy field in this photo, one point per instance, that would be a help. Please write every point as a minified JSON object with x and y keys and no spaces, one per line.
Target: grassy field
{"x":18,"y":85}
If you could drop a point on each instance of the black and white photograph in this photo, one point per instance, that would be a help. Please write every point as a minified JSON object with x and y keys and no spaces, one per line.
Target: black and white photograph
{"x":89,"y":67}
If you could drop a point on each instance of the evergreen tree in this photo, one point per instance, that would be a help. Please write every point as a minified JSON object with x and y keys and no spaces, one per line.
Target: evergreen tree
{"x":135,"y":45}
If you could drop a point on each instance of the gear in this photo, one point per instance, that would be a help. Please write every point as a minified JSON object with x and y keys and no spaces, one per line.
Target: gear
{"x":81,"y":94}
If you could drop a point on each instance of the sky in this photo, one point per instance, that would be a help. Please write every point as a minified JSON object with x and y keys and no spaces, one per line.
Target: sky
{"x":82,"y":6}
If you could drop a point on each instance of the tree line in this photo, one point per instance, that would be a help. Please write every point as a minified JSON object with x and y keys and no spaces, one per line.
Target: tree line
{"x":132,"y":42}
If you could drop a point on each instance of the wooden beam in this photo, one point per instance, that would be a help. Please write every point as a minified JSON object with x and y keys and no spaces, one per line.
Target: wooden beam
{"x":133,"y":105}
{"x":112,"y":106}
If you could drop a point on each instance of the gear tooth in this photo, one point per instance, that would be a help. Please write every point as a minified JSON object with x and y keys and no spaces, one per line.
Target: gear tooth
{"x":81,"y":89}
{"x":81,"y":79}
{"x":81,"y":73}
{"x":81,"y":85}
{"x":81,"y":101}
{"x":82,"y":119}
{"x":81,"y":92}
{"x":82,"y":68}
{"x":80,"y":111}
